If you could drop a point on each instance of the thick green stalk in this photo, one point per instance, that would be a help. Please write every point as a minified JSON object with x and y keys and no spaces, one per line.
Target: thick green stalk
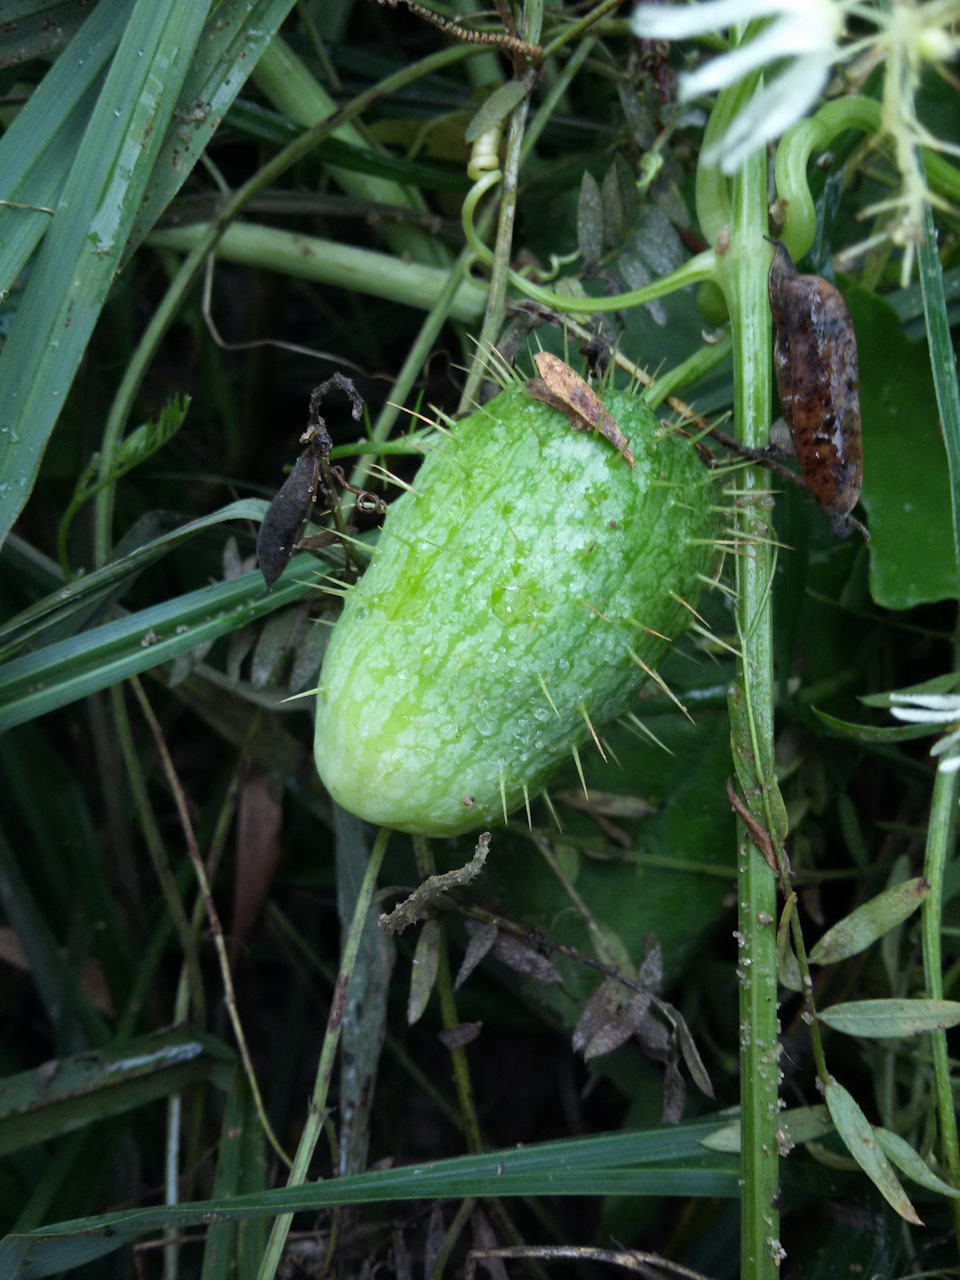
{"x":742,"y":274}
{"x":940,"y":841}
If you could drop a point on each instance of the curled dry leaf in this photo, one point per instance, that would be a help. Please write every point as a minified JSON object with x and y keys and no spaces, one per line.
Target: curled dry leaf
{"x":565,"y":390}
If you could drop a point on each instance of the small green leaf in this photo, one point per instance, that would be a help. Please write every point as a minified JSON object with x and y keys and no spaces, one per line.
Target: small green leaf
{"x":891,"y":1019}
{"x":498,"y":106}
{"x":426,"y":961}
{"x":621,"y":204}
{"x":910,"y":1162}
{"x":590,"y":219}
{"x":861,"y":1141}
{"x":801,"y":1124}
{"x":855,"y":932}
{"x":871,"y":732}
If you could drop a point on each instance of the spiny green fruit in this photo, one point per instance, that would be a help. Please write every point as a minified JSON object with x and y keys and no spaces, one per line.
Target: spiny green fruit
{"x":514,"y":606}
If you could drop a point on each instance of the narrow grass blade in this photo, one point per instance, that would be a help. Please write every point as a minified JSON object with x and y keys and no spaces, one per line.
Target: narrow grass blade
{"x":72,"y":1092}
{"x":39,"y":148}
{"x":61,"y":673}
{"x":67,"y":608}
{"x":653,"y":1162}
{"x":234,"y":39}
{"x":82,"y":249}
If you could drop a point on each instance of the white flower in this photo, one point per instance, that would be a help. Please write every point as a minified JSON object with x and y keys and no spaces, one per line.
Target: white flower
{"x":804,"y":33}
{"x":934,"y":709}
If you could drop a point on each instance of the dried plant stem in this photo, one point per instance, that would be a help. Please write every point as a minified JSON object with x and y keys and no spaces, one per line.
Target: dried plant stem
{"x":426,"y":867}
{"x":212,"y":917}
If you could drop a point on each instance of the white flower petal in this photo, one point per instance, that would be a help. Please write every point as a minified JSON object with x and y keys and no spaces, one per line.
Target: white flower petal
{"x":950,"y":765}
{"x":947,"y":743}
{"x":677,"y":21}
{"x":769,"y":113}
{"x":919,"y":716}
{"x":788,"y":37}
{"x":935,"y":701}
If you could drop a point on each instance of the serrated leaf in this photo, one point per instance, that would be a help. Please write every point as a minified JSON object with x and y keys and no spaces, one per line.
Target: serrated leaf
{"x":498,"y":106}
{"x":855,"y":932}
{"x":590,"y":219}
{"x":891,"y":1019}
{"x":426,"y":961}
{"x":859,"y":1138}
{"x":911,"y":1163}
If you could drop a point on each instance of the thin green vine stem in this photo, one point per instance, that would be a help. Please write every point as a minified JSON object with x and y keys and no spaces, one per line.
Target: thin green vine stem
{"x":414,"y":361}
{"x":741,"y":273}
{"x":940,"y":843}
{"x":577,"y":29}
{"x":192,"y":264}
{"x":497,"y":295}
{"x":158,"y":855}
{"x":328,"y":1052}
{"x":942,"y":359}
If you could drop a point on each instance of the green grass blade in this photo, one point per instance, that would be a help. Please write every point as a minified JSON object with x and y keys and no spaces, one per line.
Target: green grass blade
{"x":38,"y":1105}
{"x":650,"y":1162}
{"x":61,"y":673}
{"x":67,"y":608}
{"x":82,"y":248}
{"x":234,"y":39}
{"x":39,"y":148}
